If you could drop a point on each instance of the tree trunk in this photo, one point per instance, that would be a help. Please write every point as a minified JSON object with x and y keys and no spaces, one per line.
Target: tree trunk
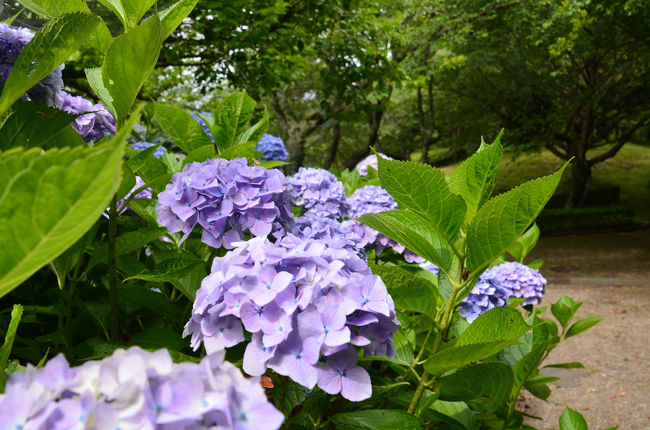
{"x":334,"y":145}
{"x":426,"y":129}
{"x":580,"y":178}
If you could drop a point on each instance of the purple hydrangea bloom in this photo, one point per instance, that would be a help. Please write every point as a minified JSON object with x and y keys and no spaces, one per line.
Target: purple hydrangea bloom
{"x":486,"y":294}
{"x":96,"y":122}
{"x":203,"y":124}
{"x":141,"y":146}
{"x":306,"y":302}
{"x":374,"y":199}
{"x":521,"y":281}
{"x":144,"y":194}
{"x":327,"y":230}
{"x":12,"y":42}
{"x":369,"y":161}
{"x":273,"y":148}
{"x":226,"y":198}
{"x":318,"y":192}
{"x":135,"y":388}
{"x":427,"y":265}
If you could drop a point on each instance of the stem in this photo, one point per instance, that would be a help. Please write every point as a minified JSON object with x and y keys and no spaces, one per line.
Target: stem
{"x":112,"y":273}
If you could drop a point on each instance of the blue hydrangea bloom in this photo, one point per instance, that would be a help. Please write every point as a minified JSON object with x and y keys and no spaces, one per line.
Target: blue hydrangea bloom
{"x":141,"y":146}
{"x":306,"y":303}
{"x":227,"y":198}
{"x":521,"y":281}
{"x":273,"y":148}
{"x":318,"y":192}
{"x":136,"y":389}
{"x":12,"y":42}
{"x":96,"y":122}
{"x":486,"y":294}
{"x":327,"y":230}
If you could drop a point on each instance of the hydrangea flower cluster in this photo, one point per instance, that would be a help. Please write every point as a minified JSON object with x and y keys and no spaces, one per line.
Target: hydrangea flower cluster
{"x":273,"y":148}
{"x":521,"y":281}
{"x":307,"y":306}
{"x":318,"y":192}
{"x":369,"y":161}
{"x":141,"y":146}
{"x":375,"y":199}
{"x":226,"y":198}
{"x":330,"y":231}
{"x":96,"y":122}
{"x":203,"y":124}
{"x":497,"y":285}
{"x":12,"y":42}
{"x":136,"y":389}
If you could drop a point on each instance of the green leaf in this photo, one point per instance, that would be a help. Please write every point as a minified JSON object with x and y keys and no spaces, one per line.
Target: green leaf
{"x":564,"y":310}
{"x":414,"y":232}
{"x":570,"y":365}
{"x":403,"y":349}
{"x":100,"y":38}
{"x":377,"y":419}
{"x":528,"y":364}
{"x":128,"y":62}
{"x":157,"y":338}
{"x":474,"y":179}
{"x":129,"y":12}
{"x":181,"y":128}
{"x":456,"y":414}
{"x":5,"y":350}
{"x":245,"y":150}
{"x":32,"y":125}
{"x":492,"y":380}
{"x":75,"y":185}
{"x":168,"y":270}
{"x":424,"y":190}
{"x":96,"y":81}
{"x":582,"y":325}
{"x":144,"y":297}
{"x":50,"y":47}
{"x":409,"y":292}
{"x":200,"y":154}
{"x":129,"y":241}
{"x":572,"y":420}
{"x":505,"y":217}
{"x":173,"y":16}
{"x":255,"y":132}
{"x":541,"y":391}
{"x":231,"y":118}
{"x":524,"y":244}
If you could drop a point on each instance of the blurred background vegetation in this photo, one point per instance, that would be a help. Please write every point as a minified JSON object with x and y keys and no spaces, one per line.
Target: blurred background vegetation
{"x":427,"y":80}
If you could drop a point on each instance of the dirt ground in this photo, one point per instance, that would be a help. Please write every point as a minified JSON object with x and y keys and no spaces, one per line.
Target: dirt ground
{"x":610,"y":273}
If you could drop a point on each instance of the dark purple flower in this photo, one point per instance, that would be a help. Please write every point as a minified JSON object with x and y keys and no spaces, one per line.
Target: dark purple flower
{"x":318,"y":192}
{"x":273,"y":148}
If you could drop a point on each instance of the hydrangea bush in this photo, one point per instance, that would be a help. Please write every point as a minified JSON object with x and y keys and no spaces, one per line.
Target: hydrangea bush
{"x":291,"y":300}
{"x":272,"y":148}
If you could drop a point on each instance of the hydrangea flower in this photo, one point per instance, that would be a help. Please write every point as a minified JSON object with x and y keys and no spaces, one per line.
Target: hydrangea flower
{"x":136,"y":389}
{"x":427,"y":265}
{"x":273,"y":148}
{"x":521,"y":281}
{"x":141,"y":146}
{"x":486,"y":294}
{"x":203,"y":124}
{"x":375,"y":199}
{"x":318,"y":192}
{"x":144,"y":194}
{"x":226,"y":198}
{"x":307,"y":305}
{"x":96,"y":122}
{"x":12,"y":42}
{"x":330,"y":231}
{"x":369,"y":161}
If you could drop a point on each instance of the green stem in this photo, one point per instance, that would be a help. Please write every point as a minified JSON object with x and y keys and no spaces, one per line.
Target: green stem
{"x":112,"y":272}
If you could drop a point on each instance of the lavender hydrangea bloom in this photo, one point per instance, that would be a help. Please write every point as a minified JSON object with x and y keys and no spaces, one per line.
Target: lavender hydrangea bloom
{"x":521,"y":281}
{"x":318,"y":192}
{"x":226,"y":198}
{"x":327,"y":230}
{"x":141,"y":146}
{"x":135,"y":388}
{"x":96,"y":122}
{"x":427,"y":265}
{"x":12,"y":42}
{"x":273,"y":148}
{"x":306,"y":302}
{"x":203,"y":124}
{"x":375,"y":199}
{"x":369,"y":161}
{"x":486,"y":294}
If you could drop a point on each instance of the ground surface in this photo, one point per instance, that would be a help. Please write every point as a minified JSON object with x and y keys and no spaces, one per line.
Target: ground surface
{"x":610,"y":273}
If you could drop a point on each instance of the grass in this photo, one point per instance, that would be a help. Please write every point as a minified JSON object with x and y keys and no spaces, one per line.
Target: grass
{"x":629,"y":170}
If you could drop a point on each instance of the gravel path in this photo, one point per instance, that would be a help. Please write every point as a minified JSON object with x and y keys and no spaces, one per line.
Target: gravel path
{"x":610,"y":273}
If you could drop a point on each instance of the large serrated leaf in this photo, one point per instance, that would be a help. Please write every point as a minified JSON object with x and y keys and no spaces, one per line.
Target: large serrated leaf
{"x":377,"y":419}
{"x":414,"y":232}
{"x":172,"y":17}
{"x":504,"y":218}
{"x":491,"y":380}
{"x":457,"y":415}
{"x":73,"y":185}
{"x":181,"y":128}
{"x":474,"y":179}
{"x":128,"y":11}
{"x":128,"y":62}
{"x":424,"y":190}
{"x":409,"y":292}
{"x":49,"y":48}
{"x":231,"y":119}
